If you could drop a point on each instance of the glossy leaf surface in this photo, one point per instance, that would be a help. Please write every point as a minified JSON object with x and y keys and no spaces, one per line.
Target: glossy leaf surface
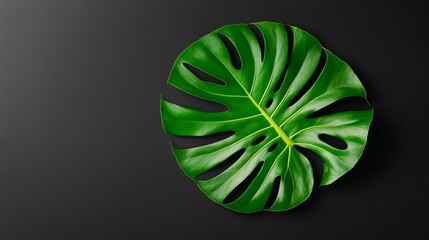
{"x":272,"y":78}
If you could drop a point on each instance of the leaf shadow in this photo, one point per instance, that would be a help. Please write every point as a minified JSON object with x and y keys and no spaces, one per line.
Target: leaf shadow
{"x":373,"y":162}
{"x":375,"y":159}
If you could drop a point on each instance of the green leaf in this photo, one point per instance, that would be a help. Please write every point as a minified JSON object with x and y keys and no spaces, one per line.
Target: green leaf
{"x":263,"y":71}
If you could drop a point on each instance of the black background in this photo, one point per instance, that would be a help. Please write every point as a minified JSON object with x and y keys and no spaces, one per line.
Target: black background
{"x":82,"y":150}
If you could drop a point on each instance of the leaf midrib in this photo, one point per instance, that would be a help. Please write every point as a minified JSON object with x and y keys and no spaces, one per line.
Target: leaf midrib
{"x":279,"y":131}
{"x":276,"y":127}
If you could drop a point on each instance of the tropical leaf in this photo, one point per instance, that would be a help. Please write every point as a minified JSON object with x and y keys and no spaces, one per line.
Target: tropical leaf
{"x":273,"y":79}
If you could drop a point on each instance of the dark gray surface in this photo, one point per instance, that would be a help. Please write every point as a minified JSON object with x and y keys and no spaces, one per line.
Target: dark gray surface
{"x":83,"y":154}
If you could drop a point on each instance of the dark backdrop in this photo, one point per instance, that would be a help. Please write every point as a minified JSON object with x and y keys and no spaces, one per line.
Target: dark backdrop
{"x":83,"y":154}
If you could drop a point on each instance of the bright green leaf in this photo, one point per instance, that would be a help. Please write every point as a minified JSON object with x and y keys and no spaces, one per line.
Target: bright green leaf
{"x":264,"y":88}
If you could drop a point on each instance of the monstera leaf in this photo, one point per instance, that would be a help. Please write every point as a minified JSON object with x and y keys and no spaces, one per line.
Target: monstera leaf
{"x":272,"y":78}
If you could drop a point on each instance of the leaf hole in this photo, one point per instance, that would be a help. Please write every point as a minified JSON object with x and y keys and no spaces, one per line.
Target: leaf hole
{"x":312,"y":80}
{"x":243,"y":186}
{"x":221,"y":167}
{"x":233,"y":52}
{"x":333,"y":141}
{"x":289,"y":33}
{"x":274,"y":146}
{"x":187,"y":100}
{"x":260,"y":37}
{"x":274,"y":192}
{"x":317,"y":163}
{"x":259,"y":140}
{"x":342,"y":105}
{"x":203,"y":76}
{"x":185,"y":142}
{"x":269,"y":103}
